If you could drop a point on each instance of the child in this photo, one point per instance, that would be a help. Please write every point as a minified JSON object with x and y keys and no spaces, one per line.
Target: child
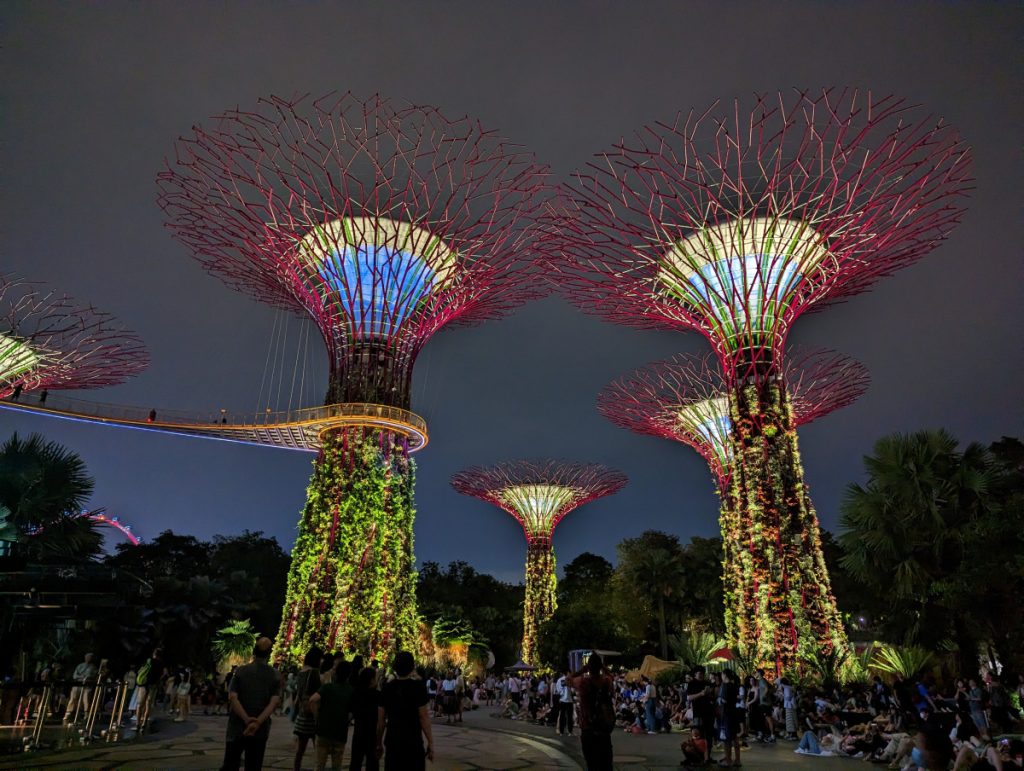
{"x":695,"y":749}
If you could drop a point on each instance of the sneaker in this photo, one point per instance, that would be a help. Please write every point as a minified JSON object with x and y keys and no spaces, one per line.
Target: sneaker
{"x":652,"y":733}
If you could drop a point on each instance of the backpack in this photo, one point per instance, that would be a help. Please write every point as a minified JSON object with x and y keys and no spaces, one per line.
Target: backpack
{"x":143,"y":674}
{"x":602,"y":714}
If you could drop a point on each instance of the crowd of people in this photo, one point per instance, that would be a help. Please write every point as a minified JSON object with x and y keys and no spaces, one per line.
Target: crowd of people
{"x":904,"y":724}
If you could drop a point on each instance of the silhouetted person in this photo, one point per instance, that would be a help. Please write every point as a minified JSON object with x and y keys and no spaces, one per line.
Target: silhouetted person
{"x":402,"y":718}
{"x":254,"y":693}
{"x":43,"y":395}
{"x":17,"y":392}
{"x":152,"y":416}
{"x":597,"y":714}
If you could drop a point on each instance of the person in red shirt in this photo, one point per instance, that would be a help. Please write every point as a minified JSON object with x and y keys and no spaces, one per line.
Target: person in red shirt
{"x":597,"y":714}
{"x":695,"y":749}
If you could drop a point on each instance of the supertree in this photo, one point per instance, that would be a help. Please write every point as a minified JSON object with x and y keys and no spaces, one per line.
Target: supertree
{"x":382,"y":224}
{"x":538,"y":494}
{"x":50,"y":342}
{"x":686,"y":399}
{"x":733,"y":225}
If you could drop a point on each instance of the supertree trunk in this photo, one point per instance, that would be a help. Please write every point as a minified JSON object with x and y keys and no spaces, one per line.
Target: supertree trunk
{"x":539,"y":604}
{"x":784,"y":610}
{"x":734,"y":584}
{"x":351,"y":585}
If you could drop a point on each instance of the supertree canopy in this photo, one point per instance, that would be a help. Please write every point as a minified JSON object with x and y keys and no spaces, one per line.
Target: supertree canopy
{"x":382,"y":224}
{"x":538,"y":494}
{"x":50,"y":342}
{"x":686,"y":399}
{"x":735,"y":222}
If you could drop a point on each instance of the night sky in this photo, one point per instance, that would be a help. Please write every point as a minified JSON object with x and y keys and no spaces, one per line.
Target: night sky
{"x":93,"y":97}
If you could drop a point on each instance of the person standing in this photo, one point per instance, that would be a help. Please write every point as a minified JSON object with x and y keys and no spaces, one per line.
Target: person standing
{"x":147,"y":681}
{"x":307,"y":683}
{"x":789,"y":705}
{"x":728,"y":725}
{"x":183,"y":696}
{"x":252,"y":697}
{"x":402,"y":718}
{"x":460,"y":693}
{"x":331,"y":706}
{"x":597,"y":714}
{"x":84,"y":674}
{"x":650,"y":702}
{"x":566,"y":703}
{"x":365,"y":703}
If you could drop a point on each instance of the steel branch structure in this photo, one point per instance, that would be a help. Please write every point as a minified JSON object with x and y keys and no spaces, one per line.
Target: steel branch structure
{"x":686,"y":399}
{"x":382,"y":224}
{"x":538,"y":494}
{"x":733,"y":223}
{"x":50,"y":342}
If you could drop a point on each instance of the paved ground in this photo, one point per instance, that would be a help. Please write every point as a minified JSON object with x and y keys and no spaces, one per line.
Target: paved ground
{"x":481,"y":742}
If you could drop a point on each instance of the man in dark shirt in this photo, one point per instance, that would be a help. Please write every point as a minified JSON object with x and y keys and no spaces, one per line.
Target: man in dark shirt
{"x":253,"y":696}
{"x":402,"y":717}
{"x":702,"y":704}
{"x":331,"y":705}
{"x":597,"y":719}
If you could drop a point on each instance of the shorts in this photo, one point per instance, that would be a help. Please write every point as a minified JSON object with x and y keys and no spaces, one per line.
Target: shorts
{"x":329,"y":748}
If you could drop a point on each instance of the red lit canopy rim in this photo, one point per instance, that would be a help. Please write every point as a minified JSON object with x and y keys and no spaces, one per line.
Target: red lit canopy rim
{"x":735,"y":225}
{"x":48,"y":341}
{"x":374,"y":219}
{"x":539,"y":493}
{"x":686,"y":398}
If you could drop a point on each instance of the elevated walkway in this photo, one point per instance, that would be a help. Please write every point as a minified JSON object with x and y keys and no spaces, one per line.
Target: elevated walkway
{"x":300,"y":429}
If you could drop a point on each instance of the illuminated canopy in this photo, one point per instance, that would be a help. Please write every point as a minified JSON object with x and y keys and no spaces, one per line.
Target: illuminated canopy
{"x":16,"y":358}
{"x":538,"y":506}
{"x":539,"y":493}
{"x":375,"y":271}
{"x":48,"y":341}
{"x":742,"y":272}
{"x":685,"y":399}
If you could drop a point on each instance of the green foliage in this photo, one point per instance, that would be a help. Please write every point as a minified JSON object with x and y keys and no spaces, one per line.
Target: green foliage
{"x":352,"y":582}
{"x":937,"y":533}
{"x":580,"y":626}
{"x":651,"y":568}
{"x":695,"y":649}
{"x":43,"y":486}
{"x":491,"y":607}
{"x":830,"y":667}
{"x":907,"y":662}
{"x":233,"y":644}
{"x":196,"y":588}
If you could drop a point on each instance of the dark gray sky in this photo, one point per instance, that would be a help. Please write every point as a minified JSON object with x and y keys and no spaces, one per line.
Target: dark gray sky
{"x":94,"y":95}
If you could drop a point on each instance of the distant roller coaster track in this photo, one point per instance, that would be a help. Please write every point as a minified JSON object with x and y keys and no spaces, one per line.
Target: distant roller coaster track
{"x":300,"y":429}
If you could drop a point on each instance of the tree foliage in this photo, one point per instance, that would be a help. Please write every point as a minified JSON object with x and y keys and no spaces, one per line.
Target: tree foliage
{"x":44,"y":486}
{"x":493,"y":608}
{"x":935,"y":534}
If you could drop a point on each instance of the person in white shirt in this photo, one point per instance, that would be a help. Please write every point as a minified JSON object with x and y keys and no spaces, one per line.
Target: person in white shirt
{"x":448,"y":697}
{"x":84,"y":674}
{"x":514,"y":688}
{"x":566,"y":703}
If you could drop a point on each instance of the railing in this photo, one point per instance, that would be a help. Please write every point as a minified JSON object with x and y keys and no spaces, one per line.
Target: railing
{"x":252,"y":427}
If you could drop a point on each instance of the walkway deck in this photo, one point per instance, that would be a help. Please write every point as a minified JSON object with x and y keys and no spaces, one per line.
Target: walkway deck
{"x":300,"y":429}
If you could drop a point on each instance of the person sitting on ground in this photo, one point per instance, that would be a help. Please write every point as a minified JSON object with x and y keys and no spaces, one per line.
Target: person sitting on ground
{"x":510,"y":708}
{"x":695,"y":749}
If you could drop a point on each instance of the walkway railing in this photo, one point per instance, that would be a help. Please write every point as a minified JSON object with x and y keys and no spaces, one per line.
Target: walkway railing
{"x":298,"y":429}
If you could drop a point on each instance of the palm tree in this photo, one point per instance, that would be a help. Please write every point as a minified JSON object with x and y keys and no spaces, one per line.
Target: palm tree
{"x":652,"y":567}
{"x":696,"y":649}
{"x":906,"y":528}
{"x":44,"y":486}
{"x":906,"y":662}
{"x":234,"y":643}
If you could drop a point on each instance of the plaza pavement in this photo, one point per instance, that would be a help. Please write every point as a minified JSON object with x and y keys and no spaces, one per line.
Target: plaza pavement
{"x":481,"y":742}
